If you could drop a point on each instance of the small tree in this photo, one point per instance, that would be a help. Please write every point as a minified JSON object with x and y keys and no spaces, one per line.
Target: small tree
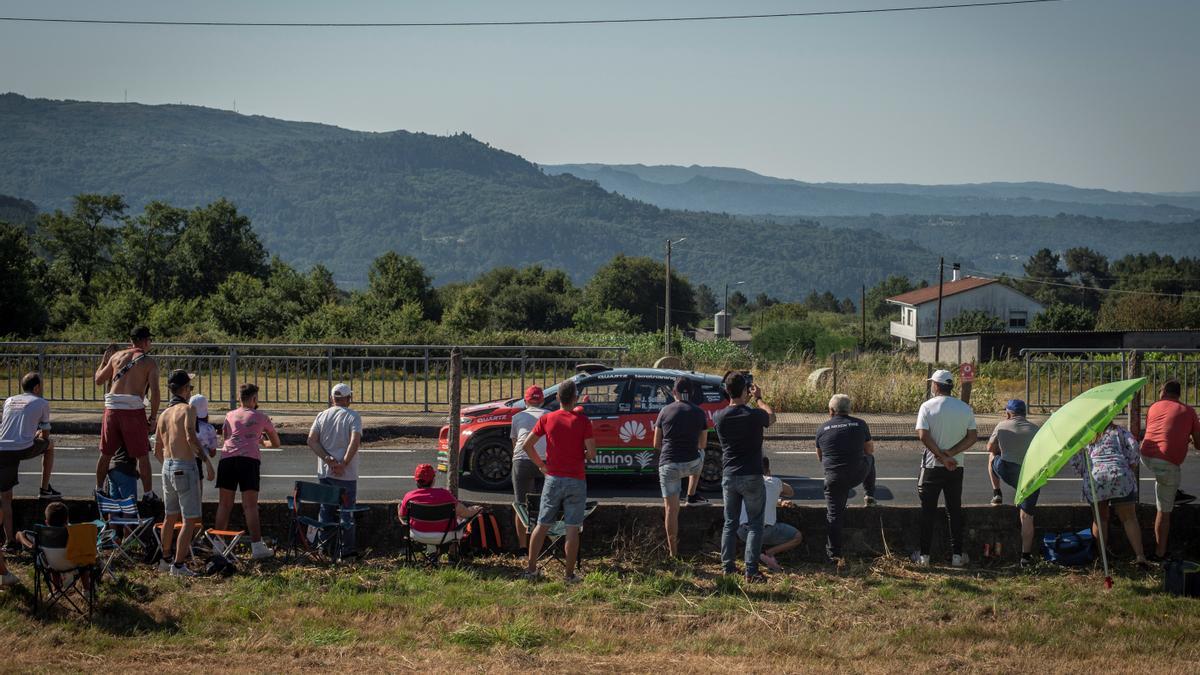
{"x":1060,"y":316}
{"x":974,"y":321}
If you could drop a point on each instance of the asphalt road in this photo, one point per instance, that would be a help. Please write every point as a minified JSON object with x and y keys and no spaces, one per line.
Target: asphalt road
{"x":386,"y":474}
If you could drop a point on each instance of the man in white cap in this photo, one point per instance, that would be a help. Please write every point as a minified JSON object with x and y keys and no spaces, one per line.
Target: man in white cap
{"x":334,"y":438}
{"x":946,"y":427}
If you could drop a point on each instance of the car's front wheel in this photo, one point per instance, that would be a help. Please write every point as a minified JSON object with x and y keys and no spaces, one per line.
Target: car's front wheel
{"x":490,"y":462}
{"x":710,"y":473}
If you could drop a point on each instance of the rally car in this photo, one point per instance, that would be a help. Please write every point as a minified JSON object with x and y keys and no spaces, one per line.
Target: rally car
{"x":622,"y":404}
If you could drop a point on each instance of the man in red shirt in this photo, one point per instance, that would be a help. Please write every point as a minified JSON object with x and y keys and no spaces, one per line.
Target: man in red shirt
{"x":569,"y":446}
{"x":427,"y":495}
{"x":1170,"y":425}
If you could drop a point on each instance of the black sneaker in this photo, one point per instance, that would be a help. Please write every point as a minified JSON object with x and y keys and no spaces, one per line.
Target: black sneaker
{"x":11,"y":548}
{"x":756,"y":578}
{"x":1155,"y":558}
{"x":997,"y":499}
{"x":150,"y":499}
{"x":696,"y":499}
{"x":1182,"y":497}
{"x":49,"y":492}
{"x":1027,"y":561}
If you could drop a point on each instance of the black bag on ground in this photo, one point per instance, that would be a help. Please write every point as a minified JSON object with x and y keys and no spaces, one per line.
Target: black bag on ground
{"x":1182,"y":578}
{"x":219,"y":565}
{"x":1070,"y":549}
{"x":483,"y":535}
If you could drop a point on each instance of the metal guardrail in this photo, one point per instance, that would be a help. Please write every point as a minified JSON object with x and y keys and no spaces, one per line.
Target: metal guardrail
{"x":412,"y":376}
{"x":1055,"y":376}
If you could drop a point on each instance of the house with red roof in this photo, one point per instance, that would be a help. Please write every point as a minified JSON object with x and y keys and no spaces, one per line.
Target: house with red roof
{"x":918,"y":309}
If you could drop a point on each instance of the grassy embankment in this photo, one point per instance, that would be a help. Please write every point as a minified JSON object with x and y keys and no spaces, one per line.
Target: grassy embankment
{"x":881,"y":616}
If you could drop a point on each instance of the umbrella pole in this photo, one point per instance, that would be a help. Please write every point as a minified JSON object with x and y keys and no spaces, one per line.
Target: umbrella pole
{"x":1087,"y":459}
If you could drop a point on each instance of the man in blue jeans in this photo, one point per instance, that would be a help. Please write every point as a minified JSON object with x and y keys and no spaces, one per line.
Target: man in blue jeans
{"x":334,"y":438}
{"x":740,"y":430}
{"x":1008,"y":444}
{"x":847,"y":453}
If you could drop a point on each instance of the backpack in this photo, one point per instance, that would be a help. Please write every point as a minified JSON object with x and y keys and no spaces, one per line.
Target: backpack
{"x":483,"y":534}
{"x":1182,"y":578}
{"x":1070,"y":549}
{"x":219,"y":565}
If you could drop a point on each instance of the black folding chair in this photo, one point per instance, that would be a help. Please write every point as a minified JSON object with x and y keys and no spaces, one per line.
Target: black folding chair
{"x":65,"y":569}
{"x":556,"y":535}
{"x":432,"y":544}
{"x":326,"y":543}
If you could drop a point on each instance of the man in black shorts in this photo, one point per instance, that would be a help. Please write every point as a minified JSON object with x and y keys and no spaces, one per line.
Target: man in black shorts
{"x":24,"y":434}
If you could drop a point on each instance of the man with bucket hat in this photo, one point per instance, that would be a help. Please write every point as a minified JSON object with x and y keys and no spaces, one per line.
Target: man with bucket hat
{"x":1008,"y":443}
{"x":525,"y":474}
{"x":946,"y":429}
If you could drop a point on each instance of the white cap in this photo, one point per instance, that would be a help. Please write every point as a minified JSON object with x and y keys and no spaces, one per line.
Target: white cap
{"x":340,"y":390}
{"x":200,"y":403}
{"x":942,"y":377}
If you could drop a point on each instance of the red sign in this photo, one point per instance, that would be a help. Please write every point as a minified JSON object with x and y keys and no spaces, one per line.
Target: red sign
{"x":966,"y":372}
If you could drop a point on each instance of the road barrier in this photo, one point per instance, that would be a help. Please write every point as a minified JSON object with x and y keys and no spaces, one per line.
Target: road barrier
{"x":412,"y":377}
{"x":1055,"y":376}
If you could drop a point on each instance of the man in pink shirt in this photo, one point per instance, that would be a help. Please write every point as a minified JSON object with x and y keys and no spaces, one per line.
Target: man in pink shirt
{"x":239,"y":466}
{"x":1170,"y":426}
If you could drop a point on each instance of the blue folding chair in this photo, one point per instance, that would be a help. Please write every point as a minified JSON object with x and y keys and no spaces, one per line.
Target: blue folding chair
{"x":122,"y":531}
{"x":326,"y":543}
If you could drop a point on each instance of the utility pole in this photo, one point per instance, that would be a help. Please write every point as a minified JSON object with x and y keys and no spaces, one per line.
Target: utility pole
{"x":937,"y":340}
{"x":667,"y":304}
{"x":862,"y":305}
{"x":452,"y":455}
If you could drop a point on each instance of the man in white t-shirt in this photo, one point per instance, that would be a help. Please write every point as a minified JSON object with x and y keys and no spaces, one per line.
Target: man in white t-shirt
{"x":334,"y":438}
{"x":777,"y":537}
{"x":24,"y":434}
{"x":946,"y":427}
{"x":525,"y":474}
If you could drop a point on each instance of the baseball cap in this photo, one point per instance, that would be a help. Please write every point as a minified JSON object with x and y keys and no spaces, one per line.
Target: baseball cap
{"x":179,"y":378}
{"x":424,"y":473}
{"x":534,"y":394}
{"x":200,"y":403}
{"x":340,"y":390}
{"x":942,"y":377}
{"x":1016,"y":406}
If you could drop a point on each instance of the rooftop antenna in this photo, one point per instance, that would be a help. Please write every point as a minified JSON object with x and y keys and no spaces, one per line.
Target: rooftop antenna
{"x":127,"y":96}
{"x":235,"y":105}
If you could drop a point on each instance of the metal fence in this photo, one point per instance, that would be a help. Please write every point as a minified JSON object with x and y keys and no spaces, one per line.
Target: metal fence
{"x":406,"y":377}
{"x":1055,"y":376}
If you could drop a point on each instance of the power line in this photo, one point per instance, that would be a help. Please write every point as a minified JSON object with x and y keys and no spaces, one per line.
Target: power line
{"x":1078,"y":287}
{"x":544,"y":22}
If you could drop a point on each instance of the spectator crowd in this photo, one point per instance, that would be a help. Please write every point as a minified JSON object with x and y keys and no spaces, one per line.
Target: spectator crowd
{"x":551,"y":450}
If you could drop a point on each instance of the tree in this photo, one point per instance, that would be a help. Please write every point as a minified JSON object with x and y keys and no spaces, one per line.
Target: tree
{"x":594,"y":320}
{"x":974,"y":321}
{"x":847,"y":306}
{"x":79,"y":243}
{"x":1061,"y":317}
{"x":395,"y":281}
{"x":1090,"y":269}
{"x":877,"y":295}
{"x":216,"y":242}
{"x":1042,"y":276}
{"x":637,"y":286}
{"x":143,"y":255}
{"x":1130,"y":311}
{"x":706,"y":302}
{"x":21,"y":274}
{"x":737,"y":302}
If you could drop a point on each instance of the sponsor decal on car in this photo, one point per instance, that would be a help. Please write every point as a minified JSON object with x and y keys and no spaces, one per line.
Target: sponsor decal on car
{"x":631,"y":431}
{"x":621,"y":460}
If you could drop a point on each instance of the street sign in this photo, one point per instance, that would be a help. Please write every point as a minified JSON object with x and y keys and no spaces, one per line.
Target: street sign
{"x":966,"y":372}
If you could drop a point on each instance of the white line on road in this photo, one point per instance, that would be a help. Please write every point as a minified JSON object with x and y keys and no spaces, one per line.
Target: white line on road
{"x":813,"y":452}
{"x":265,"y":475}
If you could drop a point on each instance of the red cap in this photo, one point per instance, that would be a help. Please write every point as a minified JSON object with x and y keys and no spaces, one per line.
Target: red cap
{"x":534,"y":394}
{"x":424,"y":473}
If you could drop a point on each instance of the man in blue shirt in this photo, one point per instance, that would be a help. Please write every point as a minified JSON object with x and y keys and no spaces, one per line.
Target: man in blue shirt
{"x":740,"y":430}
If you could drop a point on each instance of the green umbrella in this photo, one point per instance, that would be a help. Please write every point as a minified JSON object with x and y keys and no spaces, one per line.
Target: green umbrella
{"x":1068,"y":430}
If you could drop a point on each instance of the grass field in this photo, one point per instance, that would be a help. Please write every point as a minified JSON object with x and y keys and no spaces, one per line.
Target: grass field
{"x":881,"y":616}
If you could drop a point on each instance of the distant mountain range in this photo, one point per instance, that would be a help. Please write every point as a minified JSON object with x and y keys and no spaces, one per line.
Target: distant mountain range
{"x":729,"y":190}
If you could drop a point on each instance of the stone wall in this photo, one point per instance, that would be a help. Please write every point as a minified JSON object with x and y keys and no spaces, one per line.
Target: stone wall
{"x":638,"y":527}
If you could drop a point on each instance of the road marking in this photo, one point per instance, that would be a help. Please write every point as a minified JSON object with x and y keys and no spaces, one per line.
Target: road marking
{"x":265,"y":475}
{"x":813,"y":452}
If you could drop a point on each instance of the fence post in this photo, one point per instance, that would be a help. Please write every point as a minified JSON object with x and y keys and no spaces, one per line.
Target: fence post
{"x":233,"y":383}
{"x":523,"y":358}
{"x":1028,"y":404}
{"x":1134,"y":422}
{"x":41,"y":362}
{"x":452,"y":453}
{"x":834,"y":379}
{"x":426,"y":406}
{"x":329,"y":365}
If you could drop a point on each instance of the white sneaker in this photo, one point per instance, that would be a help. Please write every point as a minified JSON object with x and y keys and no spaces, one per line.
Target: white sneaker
{"x":920,"y":560}
{"x":177,"y":571}
{"x":260,"y":551}
{"x":9,"y":579}
{"x":164,"y":565}
{"x":960,"y":560}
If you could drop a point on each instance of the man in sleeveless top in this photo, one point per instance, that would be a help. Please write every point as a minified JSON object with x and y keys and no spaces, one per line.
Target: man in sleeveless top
{"x":130,"y":374}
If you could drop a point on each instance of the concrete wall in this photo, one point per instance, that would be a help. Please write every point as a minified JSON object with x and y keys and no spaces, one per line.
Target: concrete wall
{"x":638,"y":527}
{"x":955,"y":349}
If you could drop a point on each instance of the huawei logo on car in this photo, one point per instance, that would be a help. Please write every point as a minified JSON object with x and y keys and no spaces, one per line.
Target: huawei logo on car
{"x":632,"y":430}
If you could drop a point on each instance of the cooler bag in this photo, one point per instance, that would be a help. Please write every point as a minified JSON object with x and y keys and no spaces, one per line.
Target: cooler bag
{"x":1068,"y":548}
{"x":1182,"y":578}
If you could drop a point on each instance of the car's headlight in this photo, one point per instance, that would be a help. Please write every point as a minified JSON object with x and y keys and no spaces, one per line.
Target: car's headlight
{"x":464,"y":420}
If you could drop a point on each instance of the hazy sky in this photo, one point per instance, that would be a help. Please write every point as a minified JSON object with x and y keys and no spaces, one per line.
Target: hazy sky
{"x":1097,"y":93}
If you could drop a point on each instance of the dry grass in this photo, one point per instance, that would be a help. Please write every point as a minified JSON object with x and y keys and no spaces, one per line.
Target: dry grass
{"x":873,"y":617}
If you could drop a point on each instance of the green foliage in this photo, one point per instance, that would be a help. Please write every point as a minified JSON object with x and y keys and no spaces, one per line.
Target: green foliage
{"x":396,"y":281}
{"x":637,"y":286}
{"x":1140,"y":312}
{"x":589,"y":318}
{"x":786,"y":340}
{"x":877,"y":295}
{"x":1061,"y":317}
{"x":21,"y":278}
{"x":974,"y":321}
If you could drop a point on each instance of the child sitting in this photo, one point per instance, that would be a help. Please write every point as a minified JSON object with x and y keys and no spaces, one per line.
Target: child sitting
{"x":54,"y":537}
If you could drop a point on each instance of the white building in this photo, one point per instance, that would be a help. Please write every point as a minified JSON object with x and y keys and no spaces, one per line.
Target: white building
{"x":918,"y":309}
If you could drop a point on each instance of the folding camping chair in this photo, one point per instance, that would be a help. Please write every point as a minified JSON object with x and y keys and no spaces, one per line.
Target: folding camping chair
{"x":326,"y":542}
{"x":432,"y":544}
{"x":65,"y":569}
{"x":556,"y":535}
{"x":122,"y":530}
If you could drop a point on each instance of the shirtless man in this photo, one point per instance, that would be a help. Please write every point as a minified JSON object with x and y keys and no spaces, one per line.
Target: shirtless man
{"x":131,"y":373}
